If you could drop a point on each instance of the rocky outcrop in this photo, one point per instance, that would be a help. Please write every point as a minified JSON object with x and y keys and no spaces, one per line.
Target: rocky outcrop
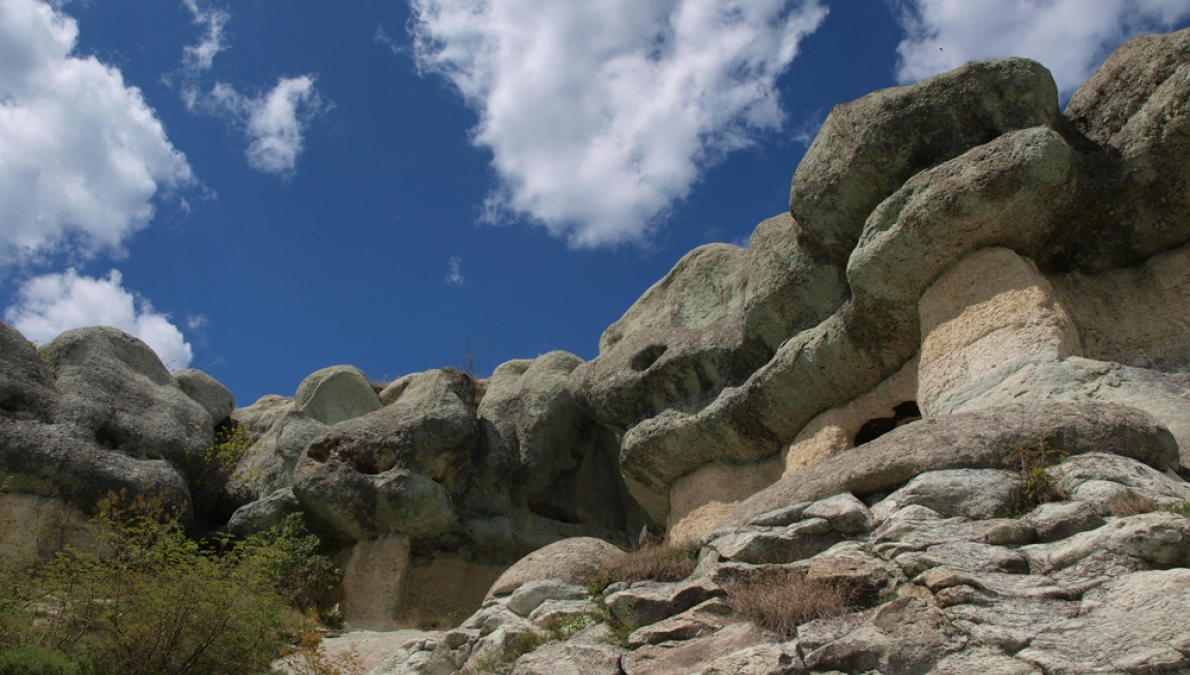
{"x":95,"y":411}
{"x":962,"y":212}
{"x":933,"y":591}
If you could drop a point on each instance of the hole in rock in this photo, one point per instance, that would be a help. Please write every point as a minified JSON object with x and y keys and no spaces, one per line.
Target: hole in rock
{"x":903,"y":413}
{"x":106,"y":437}
{"x":647,"y":357}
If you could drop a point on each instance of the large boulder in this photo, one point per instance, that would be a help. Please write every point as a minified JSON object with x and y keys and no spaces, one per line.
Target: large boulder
{"x":268,"y":464}
{"x":215,"y":398}
{"x":391,"y":471}
{"x":868,"y":148}
{"x":541,"y":451}
{"x":708,"y":324}
{"x":334,"y":394}
{"x":117,"y":394}
{"x":27,"y":389}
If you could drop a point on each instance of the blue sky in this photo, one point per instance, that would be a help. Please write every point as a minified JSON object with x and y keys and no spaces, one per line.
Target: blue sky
{"x":261,"y":189}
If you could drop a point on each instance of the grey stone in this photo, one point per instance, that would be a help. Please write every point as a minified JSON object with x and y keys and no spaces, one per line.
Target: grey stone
{"x":780,"y":517}
{"x":571,"y":560}
{"x":796,"y":542}
{"x":27,"y":389}
{"x":540,"y":450}
{"x":970,"y":493}
{"x":1126,"y":625}
{"x":263,"y":513}
{"x":850,"y":565}
{"x":844,"y":512}
{"x":335,"y":394}
{"x":529,"y":596}
{"x":648,"y":602}
{"x":691,"y":655}
{"x":563,"y":658}
{"x":981,"y":659}
{"x":762,"y":659}
{"x":550,"y":612}
{"x":215,"y":398}
{"x":1138,"y":479}
{"x":392,"y":470}
{"x":264,"y":413}
{"x":268,"y":464}
{"x":903,"y":637}
{"x":1157,"y":538}
{"x":1060,"y":520}
{"x":702,"y":619}
{"x":117,"y":394}
{"x":975,"y":440}
{"x":963,"y":555}
{"x":868,"y":148}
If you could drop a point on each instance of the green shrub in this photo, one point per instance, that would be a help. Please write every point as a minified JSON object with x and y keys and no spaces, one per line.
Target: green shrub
{"x":1029,"y":459}
{"x":207,"y":474}
{"x":33,"y":660}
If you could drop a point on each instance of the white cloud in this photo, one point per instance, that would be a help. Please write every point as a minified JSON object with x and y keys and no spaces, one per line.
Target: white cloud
{"x":81,"y":153}
{"x":274,"y":123}
{"x":455,"y":277}
{"x":50,"y":304}
{"x":599,"y":115}
{"x":199,"y":57}
{"x":1070,"y":37}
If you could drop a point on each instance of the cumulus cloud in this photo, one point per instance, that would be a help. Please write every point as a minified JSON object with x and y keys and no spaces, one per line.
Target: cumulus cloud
{"x":81,"y":154}
{"x":274,"y":122}
{"x":599,"y":115}
{"x":50,"y":304}
{"x":1070,"y":37}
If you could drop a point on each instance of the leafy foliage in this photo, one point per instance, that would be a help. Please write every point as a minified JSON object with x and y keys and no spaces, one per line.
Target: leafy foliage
{"x":207,"y":474}
{"x":1029,"y":459}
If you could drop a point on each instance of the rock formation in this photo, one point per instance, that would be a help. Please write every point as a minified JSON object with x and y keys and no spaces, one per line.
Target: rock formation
{"x":966,"y":275}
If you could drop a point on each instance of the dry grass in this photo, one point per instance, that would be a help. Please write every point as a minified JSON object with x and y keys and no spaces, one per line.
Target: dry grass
{"x":781,"y":600}
{"x":1131,"y":506}
{"x":654,"y":562}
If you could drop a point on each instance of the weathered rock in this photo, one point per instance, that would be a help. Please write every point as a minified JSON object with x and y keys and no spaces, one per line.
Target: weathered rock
{"x":762,"y":659}
{"x":263,"y":513}
{"x":969,"y":493}
{"x":982,"y":659}
{"x":49,"y":459}
{"x":561,"y":658}
{"x":335,"y":394}
{"x":1077,"y":474}
{"x":691,"y":655}
{"x":968,"y":556}
{"x":264,"y":413}
{"x":777,"y":545}
{"x":851,"y":566}
{"x":540,"y":450}
{"x":1157,"y":538}
{"x":844,"y":512}
{"x":1061,"y":520}
{"x":716,"y":317}
{"x":529,"y":596}
{"x":117,"y":394}
{"x":976,"y":440}
{"x":1126,"y":625}
{"x":215,"y":398}
{"x":868,"y":148}
{"x":570,"y":560}
{"x":389,"y":471}
{"x":551,"y":611}
{"x":268,"y":464}
{"x":648,"y":602}
{"x":374,"y":582}
{"x":906,"y":636}
{"x":786,"y":515}
{"x":27,"y":389}
{"x":702,"y":619}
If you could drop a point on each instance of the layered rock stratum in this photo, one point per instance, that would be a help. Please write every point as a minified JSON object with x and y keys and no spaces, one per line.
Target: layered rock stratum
{"x":966,"y":273}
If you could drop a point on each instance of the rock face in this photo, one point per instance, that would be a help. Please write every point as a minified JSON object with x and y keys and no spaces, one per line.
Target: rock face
{"x":933,"y":592}
{"x":991,"y":249}
{"x":95,"y":411}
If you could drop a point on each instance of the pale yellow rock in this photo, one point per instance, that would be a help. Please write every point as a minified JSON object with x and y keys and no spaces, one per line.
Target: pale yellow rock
{"x":375,"y":577}
{"x":990,"y":313}
{"x":715,"y":489}
{"x":834,"y":430}
{"x":445,"y":590}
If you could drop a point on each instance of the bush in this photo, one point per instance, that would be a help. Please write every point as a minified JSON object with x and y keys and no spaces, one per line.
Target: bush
{"x":207,"y":474}
{"x":781,"y":600}
{"x":654,"y":562}
{"x":151,"y":601}
{"x":1029,"y":459}
{"x":32,"y":660}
